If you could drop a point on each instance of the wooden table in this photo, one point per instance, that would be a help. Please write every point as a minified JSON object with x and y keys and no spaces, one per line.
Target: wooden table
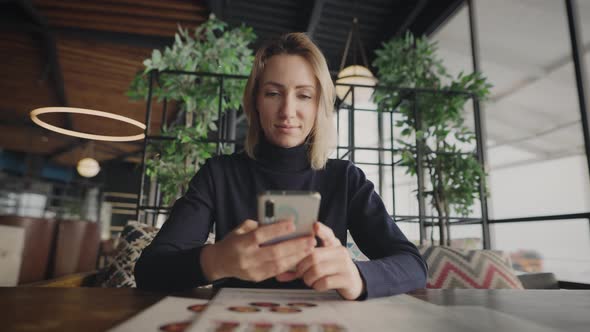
{"x":98,"y":309}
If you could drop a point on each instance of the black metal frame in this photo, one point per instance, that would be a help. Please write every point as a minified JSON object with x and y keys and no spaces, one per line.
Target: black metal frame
{"x":479,"y":129}
{"x":223,"y":132}
{"x":152,"y":207}
{"x":412,"y":95}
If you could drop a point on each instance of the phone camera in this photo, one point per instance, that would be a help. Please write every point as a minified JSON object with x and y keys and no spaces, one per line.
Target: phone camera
{"x":269,"y":209}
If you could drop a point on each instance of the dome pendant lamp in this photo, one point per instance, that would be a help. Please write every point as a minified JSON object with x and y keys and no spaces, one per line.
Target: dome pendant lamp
{"x":355,"y":74}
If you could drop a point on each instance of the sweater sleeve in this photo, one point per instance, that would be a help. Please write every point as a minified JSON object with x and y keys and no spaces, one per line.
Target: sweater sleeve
{"x":396,"y":266}
{"x":172,"y":260}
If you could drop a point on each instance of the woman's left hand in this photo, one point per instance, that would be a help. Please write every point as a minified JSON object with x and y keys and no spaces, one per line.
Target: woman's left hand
{"x":328,"y":267}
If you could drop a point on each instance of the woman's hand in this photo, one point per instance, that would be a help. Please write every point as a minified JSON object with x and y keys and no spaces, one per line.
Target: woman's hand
{"x":240,"y":255}
{"x":328,"y":267}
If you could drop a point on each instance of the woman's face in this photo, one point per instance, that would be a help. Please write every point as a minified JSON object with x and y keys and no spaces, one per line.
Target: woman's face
{"x":287,"y":100}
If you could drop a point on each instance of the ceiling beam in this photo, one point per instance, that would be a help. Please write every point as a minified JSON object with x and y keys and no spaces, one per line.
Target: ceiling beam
{"x":499,"y":135}
{"x":392,"y":30}
{"x":111,"y":147}
{"x":534,"y":135}
{"x":410,"y":19}
{"x":220,"y":8}
{"x":53,"y":67}
{"x":447,"y":12}
{"x":575,"y":151}
{"x":314,"y":18}
{"x":124,"y":156}
{"x":65,"y":149}
{"x":40,"y":27}
{"x":529,"y":80}
{"x":122,"y":38}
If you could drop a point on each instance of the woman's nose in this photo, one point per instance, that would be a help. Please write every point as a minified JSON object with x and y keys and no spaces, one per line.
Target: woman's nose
{"x":288,"y":107}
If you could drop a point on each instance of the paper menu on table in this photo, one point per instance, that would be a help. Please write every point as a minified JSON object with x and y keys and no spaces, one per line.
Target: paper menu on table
{"x":269,"y":310}
{"x":169,"y":314}
{"x":402,"y":313}
{"x":237,"y":309}
{"x":262,"y":310}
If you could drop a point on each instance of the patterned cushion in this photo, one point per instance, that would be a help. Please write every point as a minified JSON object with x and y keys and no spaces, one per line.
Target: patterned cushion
{"x":454,"y":268}
{"x":133,"y":239}
{"x":355,"y":253}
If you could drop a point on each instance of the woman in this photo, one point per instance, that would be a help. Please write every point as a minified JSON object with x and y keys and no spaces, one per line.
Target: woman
{"x":289,"y":104}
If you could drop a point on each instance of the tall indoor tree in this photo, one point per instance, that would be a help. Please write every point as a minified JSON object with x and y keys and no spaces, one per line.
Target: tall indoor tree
{"x":454,"y":172}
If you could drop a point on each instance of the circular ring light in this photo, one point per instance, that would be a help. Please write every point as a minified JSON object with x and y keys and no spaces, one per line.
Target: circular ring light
{"x":44,"y":110}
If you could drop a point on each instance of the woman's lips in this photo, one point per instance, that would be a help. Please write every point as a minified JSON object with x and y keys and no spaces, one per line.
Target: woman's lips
{"x":287,"y":128}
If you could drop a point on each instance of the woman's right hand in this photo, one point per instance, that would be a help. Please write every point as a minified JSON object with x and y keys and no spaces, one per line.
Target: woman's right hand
{"x":240,"y":254}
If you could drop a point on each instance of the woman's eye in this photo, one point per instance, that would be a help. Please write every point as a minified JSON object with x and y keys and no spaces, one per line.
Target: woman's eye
{"x":271,"y":93}
{"x":305,"y":97}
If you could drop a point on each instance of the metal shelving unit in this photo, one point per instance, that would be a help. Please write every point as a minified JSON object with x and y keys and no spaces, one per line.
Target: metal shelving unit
{"x":149,"y":205}
{"x":149,"y":200}
{"x":421,"y":218}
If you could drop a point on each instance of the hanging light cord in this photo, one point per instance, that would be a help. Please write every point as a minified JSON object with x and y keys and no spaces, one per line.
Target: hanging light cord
{"x":354,"y":37}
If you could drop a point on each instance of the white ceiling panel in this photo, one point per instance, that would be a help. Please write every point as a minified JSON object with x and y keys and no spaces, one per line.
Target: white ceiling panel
{"x":525,"y":52}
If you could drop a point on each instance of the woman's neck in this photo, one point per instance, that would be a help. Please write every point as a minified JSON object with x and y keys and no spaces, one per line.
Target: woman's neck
{"x":279,"y":158}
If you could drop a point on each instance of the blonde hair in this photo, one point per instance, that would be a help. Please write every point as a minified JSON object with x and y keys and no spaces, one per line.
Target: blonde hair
{"x":322,"y":135}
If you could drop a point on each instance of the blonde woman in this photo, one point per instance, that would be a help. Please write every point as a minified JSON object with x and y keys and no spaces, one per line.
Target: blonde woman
{"x":289,"y":104}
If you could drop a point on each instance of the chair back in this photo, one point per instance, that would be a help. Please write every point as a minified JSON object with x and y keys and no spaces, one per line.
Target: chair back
{"x":39,"y":234}
{"x":12,"y":240}
{"x":88,"y":259}
{"x":76,"y":247}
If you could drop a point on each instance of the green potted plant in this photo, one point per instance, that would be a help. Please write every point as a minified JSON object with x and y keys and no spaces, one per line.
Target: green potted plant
{"x":212,"y":48}
{"x":453,"y":175}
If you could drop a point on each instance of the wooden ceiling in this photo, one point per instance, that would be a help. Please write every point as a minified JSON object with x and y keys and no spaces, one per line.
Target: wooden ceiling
{"x":85,"y":53}
{"x":99,"y":47}
{"x":144,"y":17}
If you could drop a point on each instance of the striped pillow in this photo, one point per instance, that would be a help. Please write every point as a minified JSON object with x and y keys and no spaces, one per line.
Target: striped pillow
{"x":455,"y":268}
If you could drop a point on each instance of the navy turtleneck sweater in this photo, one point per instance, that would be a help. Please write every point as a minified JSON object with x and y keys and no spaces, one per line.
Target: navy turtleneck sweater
{"x":223,"y":194}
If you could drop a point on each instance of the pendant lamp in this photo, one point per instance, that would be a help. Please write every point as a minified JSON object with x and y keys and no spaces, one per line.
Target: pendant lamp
{"x":355,"y":74}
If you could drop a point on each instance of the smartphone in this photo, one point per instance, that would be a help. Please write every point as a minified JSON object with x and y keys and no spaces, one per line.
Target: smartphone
{"x":302,"y":206}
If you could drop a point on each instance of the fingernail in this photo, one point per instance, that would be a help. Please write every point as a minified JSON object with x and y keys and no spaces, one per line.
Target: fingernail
{"x":311,"y":242}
